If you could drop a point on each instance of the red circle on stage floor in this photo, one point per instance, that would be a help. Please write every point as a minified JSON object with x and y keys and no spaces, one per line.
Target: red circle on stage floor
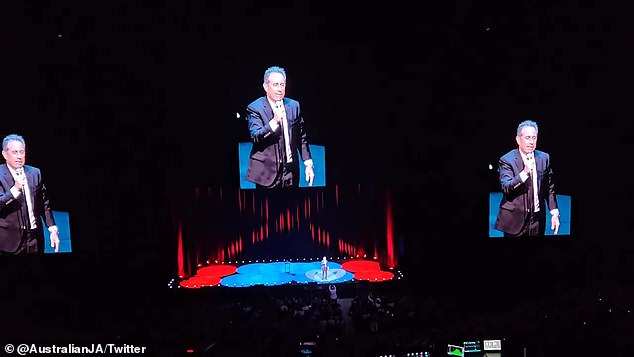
{"x":196,"y":282}
{"x":217,"y":270}
{"x":374,"y":275}
{"x":360,"y":265}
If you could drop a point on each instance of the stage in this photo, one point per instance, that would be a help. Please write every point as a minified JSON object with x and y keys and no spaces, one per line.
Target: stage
{"x":274,"y":273}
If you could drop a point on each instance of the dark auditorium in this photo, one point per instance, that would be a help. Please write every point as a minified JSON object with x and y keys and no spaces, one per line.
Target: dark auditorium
{"x":316,"y":179}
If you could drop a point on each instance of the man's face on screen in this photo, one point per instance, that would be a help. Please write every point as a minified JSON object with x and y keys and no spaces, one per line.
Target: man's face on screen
{"x":14,"y":154}
{"x":527,"y":140}
{"x":275,"y":87}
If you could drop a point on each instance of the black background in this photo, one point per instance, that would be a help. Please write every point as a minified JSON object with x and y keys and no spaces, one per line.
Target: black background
{"x":127,"y":105}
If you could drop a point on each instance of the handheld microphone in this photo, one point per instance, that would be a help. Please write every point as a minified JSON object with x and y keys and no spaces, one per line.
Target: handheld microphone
{"x":20,"y":177}
{"x":530,"y":157}
{"x":19,"y":172}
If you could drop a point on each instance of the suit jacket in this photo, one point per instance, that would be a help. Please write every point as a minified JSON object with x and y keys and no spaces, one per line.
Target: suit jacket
{"x":268,"y":152}
{"x":11,"y":217}
{"x":515,"y":205}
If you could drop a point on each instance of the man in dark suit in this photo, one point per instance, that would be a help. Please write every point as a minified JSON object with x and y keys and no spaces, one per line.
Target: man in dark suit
{"x":23,"y":202}
{"x":527,"y":184}
{"x":276,"y":128}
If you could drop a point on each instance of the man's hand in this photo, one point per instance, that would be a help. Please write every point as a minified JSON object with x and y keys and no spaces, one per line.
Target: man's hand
{"x":278,"y":112}
{"x":554,"y":223}
{"x":310,"y":175}
{"x":277,"y":118}
{"x":527,"y":168}
{"x":55,"y":240}
{"x":275,"y":123}
{"x":20,"y":182}
{"x":529,"y":163}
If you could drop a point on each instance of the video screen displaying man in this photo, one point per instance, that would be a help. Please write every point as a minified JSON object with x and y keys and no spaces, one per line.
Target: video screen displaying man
{"x":528,"y":187}
{"x":24,"y":204}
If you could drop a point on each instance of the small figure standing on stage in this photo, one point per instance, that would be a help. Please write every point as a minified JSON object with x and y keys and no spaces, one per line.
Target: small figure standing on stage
{"x":324,"y":269}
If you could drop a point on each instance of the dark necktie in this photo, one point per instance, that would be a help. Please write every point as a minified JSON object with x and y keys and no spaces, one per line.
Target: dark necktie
{"x":531,"y":192}
{"x":25,"y":211}
{"x":285,"y":134}
{"x":24,"y":208}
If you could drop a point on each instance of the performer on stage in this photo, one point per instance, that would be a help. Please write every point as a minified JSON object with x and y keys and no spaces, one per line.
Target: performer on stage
{"x":324,"y":269}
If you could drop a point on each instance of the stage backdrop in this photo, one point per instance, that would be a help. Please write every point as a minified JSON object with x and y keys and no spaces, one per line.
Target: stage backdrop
{"x":216,"y":224}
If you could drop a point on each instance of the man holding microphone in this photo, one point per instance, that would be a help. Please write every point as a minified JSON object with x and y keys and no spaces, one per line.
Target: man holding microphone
{"x":279,"y":137}
{"x":23,"y":203}
{"x":528,"y":187}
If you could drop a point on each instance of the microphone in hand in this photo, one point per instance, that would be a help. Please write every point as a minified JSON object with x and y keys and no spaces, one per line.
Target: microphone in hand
{"x":279,"y":111}
{"x":20,"y":181}
{"x":529,"y":163}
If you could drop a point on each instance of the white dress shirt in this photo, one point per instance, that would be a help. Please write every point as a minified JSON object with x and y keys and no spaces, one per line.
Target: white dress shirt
{"x":280,"y":110}
{"x":27,"y":192}
{"x":524,"y":176}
